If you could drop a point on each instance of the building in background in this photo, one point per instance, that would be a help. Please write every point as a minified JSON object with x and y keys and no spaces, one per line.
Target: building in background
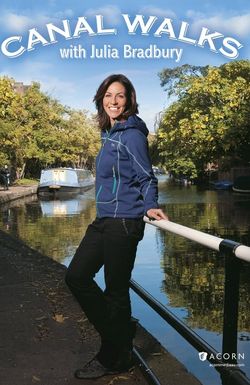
{"x":20,"y":88}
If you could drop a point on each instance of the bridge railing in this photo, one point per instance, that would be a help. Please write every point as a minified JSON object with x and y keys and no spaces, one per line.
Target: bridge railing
{"x":234,"y":253}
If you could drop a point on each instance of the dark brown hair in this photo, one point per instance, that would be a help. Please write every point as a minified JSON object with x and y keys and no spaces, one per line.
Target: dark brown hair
{"x":131,"y":105}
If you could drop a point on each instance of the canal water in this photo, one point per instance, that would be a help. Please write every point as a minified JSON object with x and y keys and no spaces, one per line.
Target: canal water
{"x":184,"y":276}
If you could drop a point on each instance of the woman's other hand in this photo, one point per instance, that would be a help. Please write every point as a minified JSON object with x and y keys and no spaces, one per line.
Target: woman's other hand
{"x":156,"y":214}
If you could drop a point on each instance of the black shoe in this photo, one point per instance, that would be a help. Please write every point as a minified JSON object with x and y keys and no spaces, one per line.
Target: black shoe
{"x":93,"y":369}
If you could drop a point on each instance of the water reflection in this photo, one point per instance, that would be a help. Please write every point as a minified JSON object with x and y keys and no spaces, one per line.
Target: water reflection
{"x":194,"y":275}
{"x":54,"y":227}
{"x":61,"y":208}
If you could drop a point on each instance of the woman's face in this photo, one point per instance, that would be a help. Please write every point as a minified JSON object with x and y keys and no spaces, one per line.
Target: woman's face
{"x":114,"y":101}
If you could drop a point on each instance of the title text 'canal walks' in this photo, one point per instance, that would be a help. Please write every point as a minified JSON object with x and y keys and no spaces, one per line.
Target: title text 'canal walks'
{"x":14,"y":46}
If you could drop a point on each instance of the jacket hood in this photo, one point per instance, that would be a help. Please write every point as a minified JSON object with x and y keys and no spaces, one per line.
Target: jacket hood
{"x":133,"y":121}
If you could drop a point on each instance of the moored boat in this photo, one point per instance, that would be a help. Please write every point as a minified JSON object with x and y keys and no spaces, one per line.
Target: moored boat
{"x":56,"y":182}
{"x":242,"y":184}
{"x":222,"y":185}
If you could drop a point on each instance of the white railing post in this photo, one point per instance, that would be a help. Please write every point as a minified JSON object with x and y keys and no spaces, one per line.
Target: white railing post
{"x":210,"y":241}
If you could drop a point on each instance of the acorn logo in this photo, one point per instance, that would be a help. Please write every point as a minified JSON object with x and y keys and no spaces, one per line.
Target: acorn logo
{"x":203,"y":356}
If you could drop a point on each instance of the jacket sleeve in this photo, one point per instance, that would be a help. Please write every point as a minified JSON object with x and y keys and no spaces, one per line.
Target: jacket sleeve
{"x":137,"y":147}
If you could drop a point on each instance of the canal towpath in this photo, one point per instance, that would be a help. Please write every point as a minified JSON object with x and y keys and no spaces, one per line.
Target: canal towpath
{"x":44,"y":334}
{"x":16,"y":192}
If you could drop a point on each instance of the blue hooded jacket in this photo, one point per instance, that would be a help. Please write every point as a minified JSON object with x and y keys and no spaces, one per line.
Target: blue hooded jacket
{"x":125,"y":183}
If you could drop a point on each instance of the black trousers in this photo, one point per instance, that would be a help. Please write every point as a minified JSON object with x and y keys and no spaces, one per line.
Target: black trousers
{"x":111,"y":242}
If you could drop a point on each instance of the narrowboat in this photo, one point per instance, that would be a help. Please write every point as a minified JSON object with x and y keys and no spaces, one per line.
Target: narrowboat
{"x":57,"y":182}
{"x":223,"y":185}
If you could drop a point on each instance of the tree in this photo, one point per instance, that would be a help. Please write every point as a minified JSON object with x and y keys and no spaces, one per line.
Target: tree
{"x":173,"y":78}
{"x":209,"y":121}
{"x":12,"y":123}
{"x":36,"y":131}
{"x":83,"y":138}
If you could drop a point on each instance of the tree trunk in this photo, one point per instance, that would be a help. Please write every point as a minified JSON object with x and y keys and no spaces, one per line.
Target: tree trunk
{"x":22,"y":173}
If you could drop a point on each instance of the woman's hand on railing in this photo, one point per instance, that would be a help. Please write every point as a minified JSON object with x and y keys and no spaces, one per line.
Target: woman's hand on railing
{"x":156,"y":214}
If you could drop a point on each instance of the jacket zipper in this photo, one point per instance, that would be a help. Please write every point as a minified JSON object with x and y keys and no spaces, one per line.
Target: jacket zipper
{"x":114,"y":181}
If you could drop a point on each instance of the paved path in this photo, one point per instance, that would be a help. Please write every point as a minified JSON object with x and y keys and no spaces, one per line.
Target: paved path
{"x":16,"y":192}
{"x":44,"y":334}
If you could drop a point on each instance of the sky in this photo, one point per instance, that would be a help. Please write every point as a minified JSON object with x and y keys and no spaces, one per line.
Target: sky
{"x":74,"y":81}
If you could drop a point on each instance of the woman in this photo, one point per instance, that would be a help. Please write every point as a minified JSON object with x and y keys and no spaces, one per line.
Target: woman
{"x":126,"y":190}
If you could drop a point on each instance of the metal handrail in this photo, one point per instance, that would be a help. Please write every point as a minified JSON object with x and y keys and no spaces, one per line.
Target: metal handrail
{"x":230,"y":373}
{"x":211,"y":241}
{"x":229,"y":249}
{"x":147,"y":371}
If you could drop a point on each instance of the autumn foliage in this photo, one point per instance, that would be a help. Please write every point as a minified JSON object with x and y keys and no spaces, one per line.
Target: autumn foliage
{"x":36,"y":131}
{"x":208,"y":120}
